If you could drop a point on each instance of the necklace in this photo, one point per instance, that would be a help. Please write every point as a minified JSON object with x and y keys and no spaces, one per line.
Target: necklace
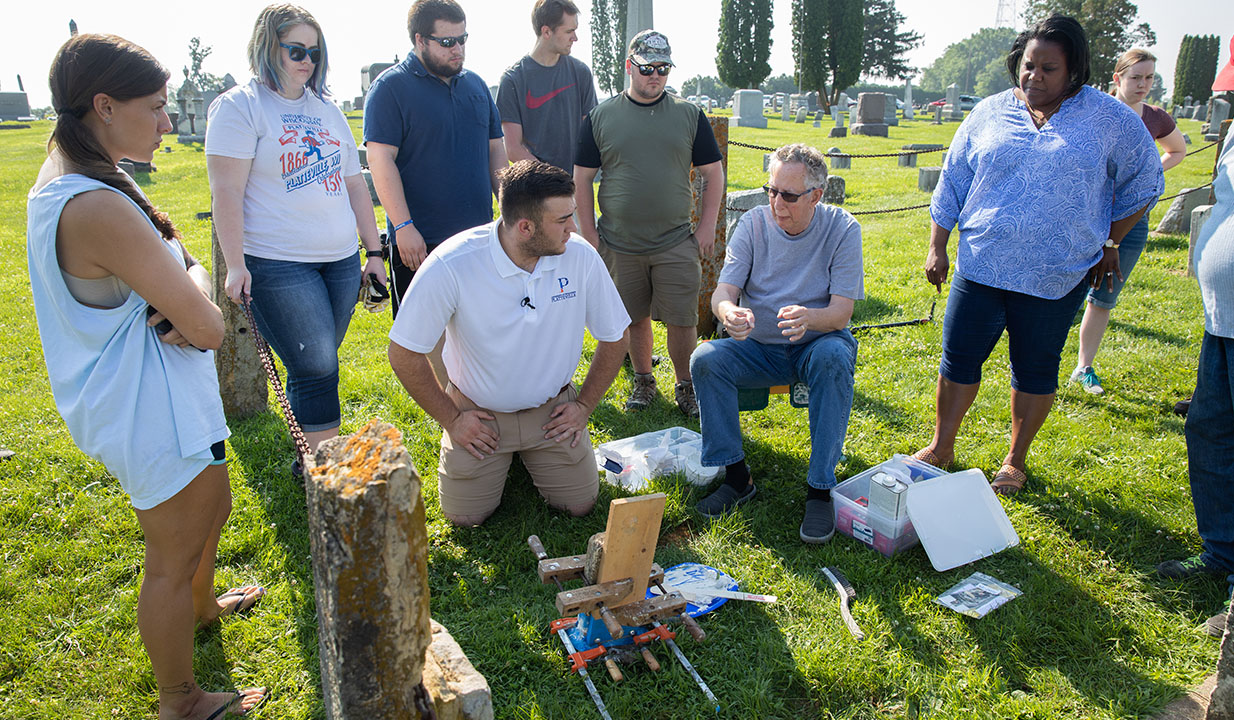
{"x":1041,"y":116}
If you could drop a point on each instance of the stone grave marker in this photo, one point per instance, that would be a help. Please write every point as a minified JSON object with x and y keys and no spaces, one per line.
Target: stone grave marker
{"x":748,"y":109}
{"x":1220,"y":113}
{"x":1201,"y":113}
{"x":833,"y":193}
{"x":871,"y":113}
{"x":801,"y":114}
{"x":908,"y":99}
{"x":927,"y":178}
{"x":838,"y":160}
{"x":890,"y":117}
{"x":952,"y":110}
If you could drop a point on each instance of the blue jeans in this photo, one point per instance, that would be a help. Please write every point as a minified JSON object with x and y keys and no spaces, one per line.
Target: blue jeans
{"x":1036,"y":329}
{"x":302,"y":309}
{"x":1129,"y":251}
{"x":826,"y":364}
{"x":1210,"y":451}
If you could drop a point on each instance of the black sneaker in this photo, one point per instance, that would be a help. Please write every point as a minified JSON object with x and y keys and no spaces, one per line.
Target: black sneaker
{"x":819,"y":523}
{"x":1183,"y":569}
{"x":725,"y":499}
{"x":1215,"y":625}
{"x":1182,"y":406}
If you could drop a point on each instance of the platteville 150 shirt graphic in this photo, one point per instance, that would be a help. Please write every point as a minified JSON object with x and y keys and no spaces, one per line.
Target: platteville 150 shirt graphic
{"x":310,"y":154}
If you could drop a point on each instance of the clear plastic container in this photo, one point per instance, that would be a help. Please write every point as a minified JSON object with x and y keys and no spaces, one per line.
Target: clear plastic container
{"x":857,"y":520}
{"x":631,"y":462}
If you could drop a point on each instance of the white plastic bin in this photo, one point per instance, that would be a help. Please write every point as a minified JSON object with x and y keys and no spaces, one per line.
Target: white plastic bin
{"x":857,"y":520}
{"x":631,"y":462}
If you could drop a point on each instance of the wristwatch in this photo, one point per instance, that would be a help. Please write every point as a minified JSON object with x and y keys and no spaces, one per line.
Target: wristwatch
{"x":375,"y":253}
{"x":1109,"y":242}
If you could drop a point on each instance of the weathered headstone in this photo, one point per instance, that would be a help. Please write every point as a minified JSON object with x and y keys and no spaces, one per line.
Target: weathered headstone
{"x":785,"y":109}
{"x":370,"y":571}
{"x":801,"y":114}
{"x":1177,"y":218}
{"x":938,"y":115}
{"x":14,"y":106}
{"x":870,"y":114}
{"x":372,"y":189}
{"x":346,"y":106}
{"x":1199,"y":216}
{"x":818,"y":118}
{"x":128,"y":168}
{"x":911,"y":160}
{"x":737,"y":203}
{"x":363,"y":153}
{"x":889,"y":110}
{"x":953,"y":111}
{"x":242,"y":380}
{"x":836,"y":132}
{"x":1220,"y":113}
{"x":1186,"y":139}
{"x":1201,"y":113}
{"x":833,"y":193}
{"x":844,"y":102}
{"x":748,"y":109}
{"x":838,"y":160}
{"x":1188,"y":100}
{"x":908,"y":99}
{"x":927,"y":178}
{"x":1176,"y":111}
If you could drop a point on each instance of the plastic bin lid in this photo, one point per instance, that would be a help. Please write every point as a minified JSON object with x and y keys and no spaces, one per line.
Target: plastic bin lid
{"x":958,"y":519}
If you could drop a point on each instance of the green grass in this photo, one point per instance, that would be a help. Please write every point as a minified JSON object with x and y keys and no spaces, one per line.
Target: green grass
{"x":1095,"y":634}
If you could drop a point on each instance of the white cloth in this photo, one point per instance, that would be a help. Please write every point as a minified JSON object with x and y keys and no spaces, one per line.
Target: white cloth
{"x":147,"y":410}
{"x":503,"y":353}
{"x":295,"y":205}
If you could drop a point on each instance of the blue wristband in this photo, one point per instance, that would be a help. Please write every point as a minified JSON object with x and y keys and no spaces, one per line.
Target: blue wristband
{"x":402,"y":225}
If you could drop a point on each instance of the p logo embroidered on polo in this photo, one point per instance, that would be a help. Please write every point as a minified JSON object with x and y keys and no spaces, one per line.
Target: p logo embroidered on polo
{"x":562,"y":295}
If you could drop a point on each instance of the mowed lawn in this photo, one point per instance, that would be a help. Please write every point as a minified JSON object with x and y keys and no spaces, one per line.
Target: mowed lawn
{"x":1094,"y":635}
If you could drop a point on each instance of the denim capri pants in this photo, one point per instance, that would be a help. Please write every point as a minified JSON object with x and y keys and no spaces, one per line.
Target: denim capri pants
{"x":1036,"y":328}
{"x":1129,"y":251}
{"x":303,"y":309}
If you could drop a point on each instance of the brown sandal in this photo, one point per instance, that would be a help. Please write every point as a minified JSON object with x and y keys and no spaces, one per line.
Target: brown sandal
{"x":926,"y":455}
{"x":1009,"y":480}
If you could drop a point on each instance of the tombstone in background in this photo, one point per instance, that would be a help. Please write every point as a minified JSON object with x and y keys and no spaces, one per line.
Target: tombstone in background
{"x":889,"y":110}
{"x":358,"y":102}
{"x":838,"y":160}
{"x":1175,"y":111}
{"x":1186,"y":139}
{"x":871,"y":112}
{"x":1220,"y":113}
{"x":938,"y":115}
{"x":785,"y":112}
{"x":1177,"y":218}
{"x":812,"y":101}
{"x":229,"y":82}
{"x":346,"y":106}
{"x":833,"y":193}
{"x":14,"y":106}
{"x":1200,"y":114}
{"x":839,"y":130}
{"x":748,"y":109}
{"x":1199,"y":215}
{"x":952,"y":111}
{"x":368,"y":74}
{"x":927,"y":178}
{"x":1188,"y":101}
{"x":911,"y":160}
{"x":801,"y":114}
{"x":844,"y":102}
{"x":737,"y":203}
{"x":908,"y":99}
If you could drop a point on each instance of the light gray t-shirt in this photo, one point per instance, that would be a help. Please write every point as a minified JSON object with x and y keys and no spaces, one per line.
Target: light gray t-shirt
{"x":549,"y":102}
{"x":775,"y":269}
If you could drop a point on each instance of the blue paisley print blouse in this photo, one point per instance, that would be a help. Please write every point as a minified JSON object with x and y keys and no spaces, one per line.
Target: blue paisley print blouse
{"x":1033,"y":206}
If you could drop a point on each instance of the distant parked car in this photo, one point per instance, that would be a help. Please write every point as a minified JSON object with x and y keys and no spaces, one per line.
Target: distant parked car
{"x":966,"y":102}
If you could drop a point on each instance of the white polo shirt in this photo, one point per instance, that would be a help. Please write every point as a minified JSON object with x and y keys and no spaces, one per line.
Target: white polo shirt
{"x":503,"y":353}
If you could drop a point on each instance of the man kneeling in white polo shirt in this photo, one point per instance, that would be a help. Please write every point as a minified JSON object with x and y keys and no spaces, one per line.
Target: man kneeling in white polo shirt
{"x":513,"y":298}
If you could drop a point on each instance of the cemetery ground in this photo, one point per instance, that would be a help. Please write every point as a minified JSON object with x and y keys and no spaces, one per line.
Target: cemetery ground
{"x":1095,"y":634}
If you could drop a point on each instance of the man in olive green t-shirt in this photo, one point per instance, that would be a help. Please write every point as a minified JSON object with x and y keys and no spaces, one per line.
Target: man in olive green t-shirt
{"x":646,"y":141}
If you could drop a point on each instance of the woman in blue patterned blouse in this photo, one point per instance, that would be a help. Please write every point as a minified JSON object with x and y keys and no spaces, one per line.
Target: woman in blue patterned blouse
{"x":1043,"y":181}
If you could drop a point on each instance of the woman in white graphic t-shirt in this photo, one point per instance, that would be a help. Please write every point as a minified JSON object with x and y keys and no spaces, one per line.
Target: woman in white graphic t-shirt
{"x":289,"y":201}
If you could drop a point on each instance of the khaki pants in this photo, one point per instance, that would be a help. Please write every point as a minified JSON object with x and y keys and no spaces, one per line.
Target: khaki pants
{"x":565,"y":476}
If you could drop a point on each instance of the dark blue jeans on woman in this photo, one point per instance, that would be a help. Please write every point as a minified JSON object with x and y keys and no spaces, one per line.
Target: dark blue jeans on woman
{"x":302,"y":309}
{"x":1210,"y":451}
{"x":1036,"y":329}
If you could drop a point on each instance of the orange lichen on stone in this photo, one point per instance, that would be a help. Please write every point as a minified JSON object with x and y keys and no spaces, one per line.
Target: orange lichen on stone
{"x":360,"y":460}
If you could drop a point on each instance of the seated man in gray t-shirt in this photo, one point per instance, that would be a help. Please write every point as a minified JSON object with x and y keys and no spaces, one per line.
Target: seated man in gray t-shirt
{"x":785,"y":296}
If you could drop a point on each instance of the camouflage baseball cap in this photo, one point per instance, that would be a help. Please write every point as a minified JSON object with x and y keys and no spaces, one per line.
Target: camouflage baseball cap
{"x":650,"y":47}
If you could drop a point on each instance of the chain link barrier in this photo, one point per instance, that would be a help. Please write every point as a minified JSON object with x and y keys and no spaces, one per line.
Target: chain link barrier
{"x":267,"y":361}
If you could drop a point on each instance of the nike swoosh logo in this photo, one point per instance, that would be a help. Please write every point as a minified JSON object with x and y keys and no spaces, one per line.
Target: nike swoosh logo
{"x":534,"y":102}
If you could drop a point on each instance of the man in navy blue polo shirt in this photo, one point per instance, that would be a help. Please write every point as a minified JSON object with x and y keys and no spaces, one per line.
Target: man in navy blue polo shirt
{"x":434,"y":141}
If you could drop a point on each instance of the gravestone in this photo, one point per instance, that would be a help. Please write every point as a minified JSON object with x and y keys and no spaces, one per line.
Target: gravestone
{"x":833,"y":193}
{"x":927,"y":178}
{"x":952,"y":111}
{"x":229,"y":82}
{"x":871,"y":112}
{"x":818,"y":118}
{"x":372,"y":189}
{"x":1188,"y":100}
{"x":346,"y":106}
{"x":812,"y":101}
{"x":128,"y":168}
{"x":844,"y":102}
{"x":1220,"y":113}
{"x":908,"y":99}
{"x":889,"y":110}
{"x":748,"y":109}
{"x":1176,"y":111}
{"x":838,"y":160}
{"x":363,"y":153}
{"x":801,"y":114}
{"x":938,"y":115}
{"x":1177,"y":217}
{"x":785,"y":112}
{"x":1199,"y":215}
{"x":737,"y":203}
{"x":839,"y":130}
{"x":1201,"y":113}
{"x":1186,"y":139}
{"x":14,"y":106}
{"x":911,"y":160}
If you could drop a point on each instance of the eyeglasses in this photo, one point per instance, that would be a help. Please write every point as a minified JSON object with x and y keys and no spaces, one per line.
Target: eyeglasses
{"x":297,"y":53}
{"x":788,"y":197}
{"x":449,"y":42}
{"x":646,"y":70}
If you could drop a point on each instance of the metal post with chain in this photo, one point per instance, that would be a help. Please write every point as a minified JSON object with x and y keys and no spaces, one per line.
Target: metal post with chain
{"x":267,"y":361}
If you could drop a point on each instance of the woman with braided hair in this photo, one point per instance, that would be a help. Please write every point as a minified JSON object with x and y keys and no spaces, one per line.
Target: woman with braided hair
{"x":127,"y":327}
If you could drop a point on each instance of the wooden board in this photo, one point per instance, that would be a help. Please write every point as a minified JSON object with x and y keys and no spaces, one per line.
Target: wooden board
{"x":630,"y":542}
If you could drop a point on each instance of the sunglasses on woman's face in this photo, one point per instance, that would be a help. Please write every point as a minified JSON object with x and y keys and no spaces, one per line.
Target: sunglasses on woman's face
{"x":450,"y":41}
{"x":646,"y":70}
{"x":297,"y":53}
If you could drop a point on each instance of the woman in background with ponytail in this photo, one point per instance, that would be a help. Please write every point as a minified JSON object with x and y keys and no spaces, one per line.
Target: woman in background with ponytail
{"x":136,"y":386}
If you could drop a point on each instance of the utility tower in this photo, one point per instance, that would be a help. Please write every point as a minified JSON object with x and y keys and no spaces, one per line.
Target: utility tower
{"x":1006,"y":14}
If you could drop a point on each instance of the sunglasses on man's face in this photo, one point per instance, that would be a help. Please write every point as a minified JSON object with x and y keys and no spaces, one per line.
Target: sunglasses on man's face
{"x":449,"y":42}
{"x":787,"y":197}
{"x":297,"y":53}
{"x":646,"y":70}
